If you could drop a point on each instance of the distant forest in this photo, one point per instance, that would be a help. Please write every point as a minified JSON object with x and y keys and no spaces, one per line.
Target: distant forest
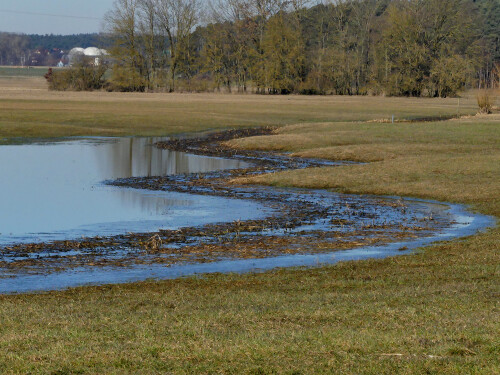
{"x":43,"y":50}
{"x":65,"y":42}
{"x":346,"y":47}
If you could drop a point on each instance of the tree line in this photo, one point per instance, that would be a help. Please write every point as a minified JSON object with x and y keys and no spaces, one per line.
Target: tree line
{"x":13,"y":49}
{"x":43,"y":50}
{"x":351,"y":47}
{"x":65,"y":42}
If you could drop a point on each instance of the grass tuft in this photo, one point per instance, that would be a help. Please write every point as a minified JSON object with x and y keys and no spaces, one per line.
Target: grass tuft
{"x":485,"y":101}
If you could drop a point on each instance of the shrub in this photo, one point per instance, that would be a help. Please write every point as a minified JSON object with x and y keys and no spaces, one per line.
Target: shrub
{"x":126,"y":79}
{"x":81,"y":77}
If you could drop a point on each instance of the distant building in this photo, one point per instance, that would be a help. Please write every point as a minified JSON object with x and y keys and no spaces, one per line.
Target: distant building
{"x":93,"y":53}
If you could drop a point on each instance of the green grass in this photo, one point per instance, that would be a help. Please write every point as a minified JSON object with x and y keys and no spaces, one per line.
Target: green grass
{"x":434,"y":312}
{"x":17,"y":72}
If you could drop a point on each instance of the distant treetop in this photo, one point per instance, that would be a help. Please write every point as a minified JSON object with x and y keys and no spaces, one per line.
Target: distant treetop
{"x":66,"y":42}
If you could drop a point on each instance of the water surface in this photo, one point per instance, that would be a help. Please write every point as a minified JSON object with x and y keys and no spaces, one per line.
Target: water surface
{"x":54,"y":190}
{"x":466,"y":224}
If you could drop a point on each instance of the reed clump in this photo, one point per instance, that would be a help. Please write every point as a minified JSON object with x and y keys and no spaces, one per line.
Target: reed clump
{"x":485,"y":100}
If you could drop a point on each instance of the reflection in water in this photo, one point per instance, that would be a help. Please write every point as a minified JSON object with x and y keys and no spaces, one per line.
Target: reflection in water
{"x":54,"y":190}
{"x":134,"y":157}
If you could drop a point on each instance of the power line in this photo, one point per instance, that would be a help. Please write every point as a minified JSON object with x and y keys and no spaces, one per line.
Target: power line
{"x":47,"y":14}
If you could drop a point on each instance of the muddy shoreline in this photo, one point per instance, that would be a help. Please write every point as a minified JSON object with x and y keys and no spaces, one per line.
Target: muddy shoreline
{"x":302,"y":222}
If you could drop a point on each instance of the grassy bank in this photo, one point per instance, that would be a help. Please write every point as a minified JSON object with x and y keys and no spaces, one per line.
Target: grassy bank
{"x":456,"y":160}
{"x":434,"y":312}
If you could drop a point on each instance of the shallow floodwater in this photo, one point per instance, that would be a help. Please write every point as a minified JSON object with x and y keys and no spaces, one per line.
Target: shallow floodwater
{"x":466,"y":224}
{"x":54,"y":190}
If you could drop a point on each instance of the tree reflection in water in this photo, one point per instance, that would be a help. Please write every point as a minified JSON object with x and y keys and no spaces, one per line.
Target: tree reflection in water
{"x":54,"y":190}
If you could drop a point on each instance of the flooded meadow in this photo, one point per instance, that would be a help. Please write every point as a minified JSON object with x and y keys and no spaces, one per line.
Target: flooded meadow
{"x":110,"y":210}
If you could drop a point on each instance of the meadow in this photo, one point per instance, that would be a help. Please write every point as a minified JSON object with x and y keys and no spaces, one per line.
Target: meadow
{"x":434,"y":312}
{"x":27,"y":109}
{"x":22,"y":72}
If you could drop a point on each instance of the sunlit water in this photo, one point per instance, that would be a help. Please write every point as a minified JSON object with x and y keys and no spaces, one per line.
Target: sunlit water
{"x":54,"y":190}
{"x":51,"y":191}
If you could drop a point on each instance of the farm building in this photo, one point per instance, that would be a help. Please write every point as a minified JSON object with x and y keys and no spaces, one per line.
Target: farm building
{"x":95,"y":54}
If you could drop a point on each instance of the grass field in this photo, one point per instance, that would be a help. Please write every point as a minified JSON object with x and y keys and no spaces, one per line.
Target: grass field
{"x":434,"y":312}
{"x":36,"y":112}
{"x":22,"y":72}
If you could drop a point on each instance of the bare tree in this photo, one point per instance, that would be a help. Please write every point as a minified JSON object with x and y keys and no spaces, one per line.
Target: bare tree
{"x":13,"y":49}
{"x":221,"y":11}
{"x":122,"y":24}
{"x":405,"y":47}
{"x":148,"y":29}
{"x":177,"y":19}
{"x":231,"y":37}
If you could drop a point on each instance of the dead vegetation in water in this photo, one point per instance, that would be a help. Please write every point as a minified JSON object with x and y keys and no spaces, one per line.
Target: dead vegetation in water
{"x":347,"y":222}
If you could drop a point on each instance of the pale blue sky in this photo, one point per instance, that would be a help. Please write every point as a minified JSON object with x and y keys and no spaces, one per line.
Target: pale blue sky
{"x":53,"y":16}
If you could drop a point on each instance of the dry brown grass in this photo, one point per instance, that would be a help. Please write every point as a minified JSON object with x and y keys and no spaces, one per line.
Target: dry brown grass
{"x":21,"y":86}
{"x":451,"y":160}
{"x":459,"y":178}
{"x":33,"y":111}
{"x":379,"y":152}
